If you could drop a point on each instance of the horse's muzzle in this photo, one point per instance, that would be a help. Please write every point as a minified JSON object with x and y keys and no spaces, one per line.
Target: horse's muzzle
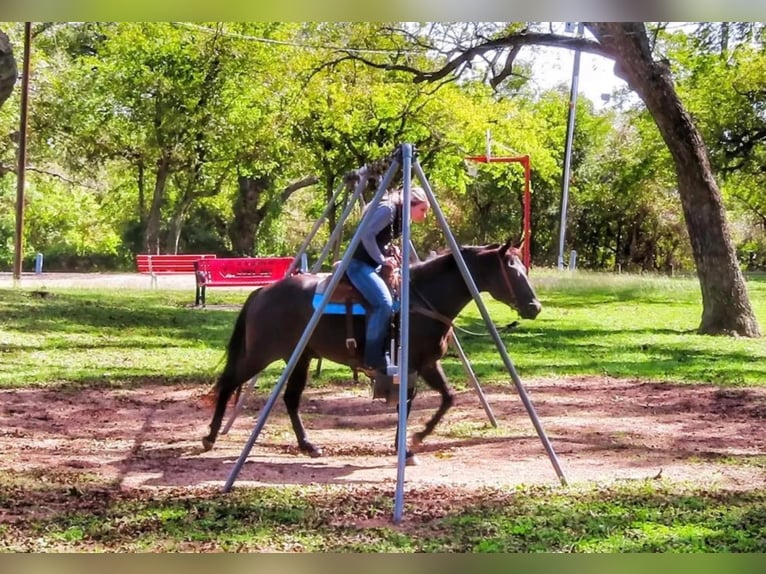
{"x":530,"y":310}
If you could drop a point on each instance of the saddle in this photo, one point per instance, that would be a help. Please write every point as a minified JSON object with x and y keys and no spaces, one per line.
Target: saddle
{"x":346,"y":299}
{"x":345,"y":293}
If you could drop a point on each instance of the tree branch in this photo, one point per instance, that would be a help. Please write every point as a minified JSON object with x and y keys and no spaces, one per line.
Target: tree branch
{"x":295,"y":186}
{"x":58,"y":176}
{"x":464,"y":56}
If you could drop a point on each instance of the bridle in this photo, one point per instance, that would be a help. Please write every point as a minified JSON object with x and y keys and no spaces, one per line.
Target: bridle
{"x":429,"y":311}
{"x":506,"y":279}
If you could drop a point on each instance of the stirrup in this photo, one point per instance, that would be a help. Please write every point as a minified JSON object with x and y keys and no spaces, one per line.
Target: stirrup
{"x":383,"y":385}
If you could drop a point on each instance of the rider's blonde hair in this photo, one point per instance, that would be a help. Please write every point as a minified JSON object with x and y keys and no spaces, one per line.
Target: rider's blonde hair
{"x":417,"y":195}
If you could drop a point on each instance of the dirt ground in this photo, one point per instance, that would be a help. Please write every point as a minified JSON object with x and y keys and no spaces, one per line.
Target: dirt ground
{"x":600,"y":429}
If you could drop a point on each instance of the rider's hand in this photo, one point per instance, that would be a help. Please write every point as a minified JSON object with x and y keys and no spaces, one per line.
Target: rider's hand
{"x":390,"y":262}
{"x":387,"y":268}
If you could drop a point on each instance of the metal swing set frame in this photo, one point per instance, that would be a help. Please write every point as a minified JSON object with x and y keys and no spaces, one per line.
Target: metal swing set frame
{"x":404,"y":159}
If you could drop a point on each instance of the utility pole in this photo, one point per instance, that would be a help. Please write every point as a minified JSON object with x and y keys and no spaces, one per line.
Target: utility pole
{"x":568,"y":148}
{"x":22,"y":157}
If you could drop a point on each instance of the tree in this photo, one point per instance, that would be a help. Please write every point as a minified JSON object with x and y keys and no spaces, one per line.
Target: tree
{"x":721,"y":78}
{"x":726,"y":306}
{"x":8,"y":70}
{"x":183,"y":109}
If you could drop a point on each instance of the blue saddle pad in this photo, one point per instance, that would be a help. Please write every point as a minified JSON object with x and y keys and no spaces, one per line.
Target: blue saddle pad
{"x":340,"y":308}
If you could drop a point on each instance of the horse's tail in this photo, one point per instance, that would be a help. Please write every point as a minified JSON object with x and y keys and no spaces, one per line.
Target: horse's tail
{"x":234,"y":350}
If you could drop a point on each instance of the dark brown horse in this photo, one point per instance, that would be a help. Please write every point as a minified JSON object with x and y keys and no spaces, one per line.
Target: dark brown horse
{"x":273,"y":320}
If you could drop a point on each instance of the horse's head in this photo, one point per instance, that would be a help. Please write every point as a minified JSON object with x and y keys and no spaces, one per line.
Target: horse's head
{"x":511,"y":284}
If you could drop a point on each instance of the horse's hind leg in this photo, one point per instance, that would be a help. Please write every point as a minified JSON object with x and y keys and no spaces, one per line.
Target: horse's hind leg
{"x":295,"y":386}
{"x":239,"y":403}
{"x":233,"y":377}
{"x":434,"y":376}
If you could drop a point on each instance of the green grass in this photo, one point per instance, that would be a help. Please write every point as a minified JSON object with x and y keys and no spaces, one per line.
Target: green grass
{"x":645,"y":516}
{"x":623,"y":326}
{"x":123,"y":338}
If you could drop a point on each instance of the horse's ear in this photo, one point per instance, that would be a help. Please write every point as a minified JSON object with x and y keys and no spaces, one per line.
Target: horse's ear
{"x":513,"y":245}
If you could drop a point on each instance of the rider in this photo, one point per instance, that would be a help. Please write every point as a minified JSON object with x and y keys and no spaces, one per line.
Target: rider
{"x":373,"y":253}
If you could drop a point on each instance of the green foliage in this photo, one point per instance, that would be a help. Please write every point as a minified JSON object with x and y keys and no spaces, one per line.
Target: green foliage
{"x":723,"y":84}
{"x":7,"y":221}
{"x":146,"y":126}
{"x":625,"y":210}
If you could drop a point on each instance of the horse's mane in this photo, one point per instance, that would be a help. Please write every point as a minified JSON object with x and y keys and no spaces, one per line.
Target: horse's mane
{"x":440,"y":262}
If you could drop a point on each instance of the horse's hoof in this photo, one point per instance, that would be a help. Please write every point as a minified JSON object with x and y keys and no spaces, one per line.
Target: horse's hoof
{"x":311,"y":450}
{"x":411,"y":460}
{"x":207,"y":444}
{"x":416,"y":440}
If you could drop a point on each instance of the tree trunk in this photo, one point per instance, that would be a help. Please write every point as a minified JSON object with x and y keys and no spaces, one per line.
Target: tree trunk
{"x":247,"y":214}
{"x":726,"y":306}
{"x":153,"y":219}
{"x":8,"y":69}
{"x":177,"y":223}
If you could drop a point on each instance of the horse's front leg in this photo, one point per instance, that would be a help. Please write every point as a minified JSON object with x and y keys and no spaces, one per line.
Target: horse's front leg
{"x":295,"y":386}
{"x":434,"y":376}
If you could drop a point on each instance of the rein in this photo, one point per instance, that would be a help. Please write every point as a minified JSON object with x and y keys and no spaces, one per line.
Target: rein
{"x":433,"y":315}
{"x":428,"y":310}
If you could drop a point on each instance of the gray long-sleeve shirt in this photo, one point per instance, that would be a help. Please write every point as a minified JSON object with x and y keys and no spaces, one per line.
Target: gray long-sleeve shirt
{"x":380,"y":219}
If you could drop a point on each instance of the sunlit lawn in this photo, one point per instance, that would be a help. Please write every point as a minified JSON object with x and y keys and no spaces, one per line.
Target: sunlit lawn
{"x":620,"y":325}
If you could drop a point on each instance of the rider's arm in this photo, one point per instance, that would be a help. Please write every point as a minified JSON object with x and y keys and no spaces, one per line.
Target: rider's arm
{"x":380,"y":218}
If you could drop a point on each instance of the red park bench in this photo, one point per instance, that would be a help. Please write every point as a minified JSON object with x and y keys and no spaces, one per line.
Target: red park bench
{"x":238,"y":272}
{"x":168,"y":264}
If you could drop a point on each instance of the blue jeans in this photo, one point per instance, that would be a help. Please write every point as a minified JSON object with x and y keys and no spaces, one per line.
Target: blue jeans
{"x":375,"y":291}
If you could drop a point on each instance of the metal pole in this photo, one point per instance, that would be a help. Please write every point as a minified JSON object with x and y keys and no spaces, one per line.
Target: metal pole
{"x":455,"y":342}
{"x":474,"y":381}
{"x":317,"y":267}
{"x":490,"y":325}
{"x":526,"y":249}
{"x":22,"y":157}
{"x":314,"y":230}
{"x":404,"y":333}
{"x":568,"y":150}
{"x":339,"y":225}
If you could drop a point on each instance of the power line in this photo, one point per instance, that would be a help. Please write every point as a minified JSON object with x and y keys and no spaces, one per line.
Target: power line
{"x":294,"y":44}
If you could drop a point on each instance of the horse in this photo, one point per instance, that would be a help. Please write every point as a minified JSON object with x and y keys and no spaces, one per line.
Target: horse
{"x":273,"y":319}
